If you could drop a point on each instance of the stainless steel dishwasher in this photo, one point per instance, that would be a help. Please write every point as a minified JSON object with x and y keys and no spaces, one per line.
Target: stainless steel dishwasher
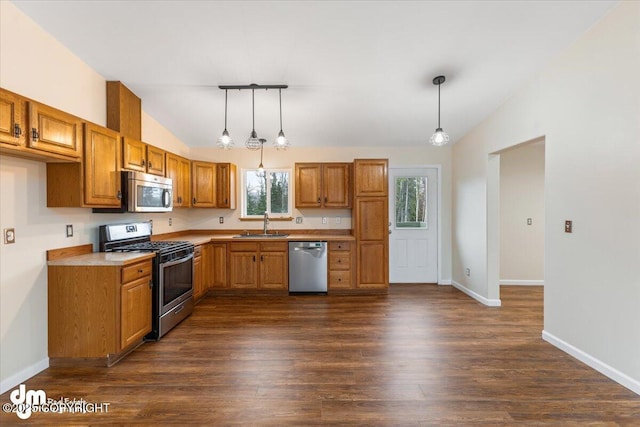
{"x":308,"y":267}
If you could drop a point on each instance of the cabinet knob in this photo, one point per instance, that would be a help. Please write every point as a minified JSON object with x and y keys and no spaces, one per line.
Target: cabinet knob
{"x":16,"y":130}
{"x":319,"y":199}
{"x":339,"y":261}
{"x":194,"y":200}
{"x":339,"y":279}
{"x":150,"y":165}
{"x":142,"y":162}
{"x":119,"y":195}
{"x":254,"y":258}
{"x":34,"y":134}
{"x":140,"y":270}
{"x":325,"y":200}
{"x":261,"y":257}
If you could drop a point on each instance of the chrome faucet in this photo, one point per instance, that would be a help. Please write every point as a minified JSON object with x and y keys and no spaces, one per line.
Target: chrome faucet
{"x":266,"y":221}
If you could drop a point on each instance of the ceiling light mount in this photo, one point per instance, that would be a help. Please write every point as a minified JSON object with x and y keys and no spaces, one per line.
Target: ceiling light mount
{"x":440,"y":137}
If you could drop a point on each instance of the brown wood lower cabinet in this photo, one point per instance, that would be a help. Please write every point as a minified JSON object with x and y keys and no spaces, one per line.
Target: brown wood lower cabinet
{"x":98,"y":311}
{"x":341,"y":263}
{"x":258,"y":265}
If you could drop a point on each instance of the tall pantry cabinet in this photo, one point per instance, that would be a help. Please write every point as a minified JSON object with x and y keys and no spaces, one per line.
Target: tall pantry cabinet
{"x":371,"y":223}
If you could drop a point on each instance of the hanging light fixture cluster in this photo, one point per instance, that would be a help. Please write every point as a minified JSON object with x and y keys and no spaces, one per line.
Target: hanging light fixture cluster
{"x":440,"y":137}
{"x":253,"y":142}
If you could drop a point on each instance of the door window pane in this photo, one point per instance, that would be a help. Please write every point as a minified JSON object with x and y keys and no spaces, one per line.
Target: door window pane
{"x":411,"y":202}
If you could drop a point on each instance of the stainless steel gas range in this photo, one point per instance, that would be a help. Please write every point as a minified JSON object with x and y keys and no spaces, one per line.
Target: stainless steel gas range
{"x":172,"y":271}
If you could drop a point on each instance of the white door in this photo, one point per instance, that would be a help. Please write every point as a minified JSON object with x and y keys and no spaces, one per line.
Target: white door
{"x":413,"y":217}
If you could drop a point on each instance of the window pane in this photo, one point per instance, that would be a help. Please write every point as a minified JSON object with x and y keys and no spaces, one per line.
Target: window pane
{"x":256,"y":193}
{"x":411,"y":202}
{"x":279,"y":192}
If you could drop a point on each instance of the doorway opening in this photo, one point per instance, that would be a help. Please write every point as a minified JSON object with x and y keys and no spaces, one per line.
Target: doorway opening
{"x":515,"y":192}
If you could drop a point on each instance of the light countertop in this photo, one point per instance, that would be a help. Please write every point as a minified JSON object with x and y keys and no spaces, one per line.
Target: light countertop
{"x":103,"y":259}
{"x":200,"y":239}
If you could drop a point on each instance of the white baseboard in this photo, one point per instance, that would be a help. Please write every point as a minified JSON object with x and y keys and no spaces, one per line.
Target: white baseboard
{"x":445,"y":282}
{"x":587,"y":359}
{"x":522,"y":282}
{"x":20,"y":377}
{"x":476,"y":296}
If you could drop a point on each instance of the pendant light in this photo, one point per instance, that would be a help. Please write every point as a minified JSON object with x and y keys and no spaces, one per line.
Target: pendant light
{"x":225,"y":140}
{"x":261,"y":166}
{"x":440,"y":137}
{"x":253,"y":143}
{"x":281,"y":142}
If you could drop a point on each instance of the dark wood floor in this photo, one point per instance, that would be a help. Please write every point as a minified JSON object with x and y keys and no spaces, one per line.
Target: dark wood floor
{"x":420,"y":356}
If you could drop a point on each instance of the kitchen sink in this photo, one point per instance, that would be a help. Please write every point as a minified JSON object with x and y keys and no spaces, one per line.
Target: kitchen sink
{"x":259,"y":236}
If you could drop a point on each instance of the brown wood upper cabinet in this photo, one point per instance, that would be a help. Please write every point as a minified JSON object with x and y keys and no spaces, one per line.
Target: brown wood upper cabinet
{"x":226,"y":185}
{"x":179,"y":170}
{"x":124,"y":111}
{"x":93,"y":183}
{"x":141,"y":157}
{"x":203,"y":184}
{"x":323,"y":185}
{"x":33,"y":130}
{"x":13,"y":119}
{"x":371,"y":177}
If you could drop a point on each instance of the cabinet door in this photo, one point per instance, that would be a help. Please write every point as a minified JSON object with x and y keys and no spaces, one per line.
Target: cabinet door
{"x":370,"y":177}
{"x":336,"y":185}
{"x":243,"y":270}
{"x":54,"y":131}
{"x":185,"y":182}
{"x":371,"y":218}
{"x":198,"y":277}
{"x":12,"y":119}
{"x":203,"y":178}
{"x":308,"y":185}
{"x":373,"y":265}
{"x":134,"y":155}
{"x":101,"y":166}
{"x":219,"y":270}
{"x":273,"y":270}
{"x":135,"y":311}
{"x":207,"y":265}
{"x":155,"y":160}
{"x":226,"y":185}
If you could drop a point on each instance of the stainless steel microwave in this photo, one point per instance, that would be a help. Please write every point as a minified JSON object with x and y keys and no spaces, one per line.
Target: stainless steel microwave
{"x":143,"y":192}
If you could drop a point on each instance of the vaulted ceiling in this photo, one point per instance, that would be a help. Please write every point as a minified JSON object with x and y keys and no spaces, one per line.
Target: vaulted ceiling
{"x":359,"y":72}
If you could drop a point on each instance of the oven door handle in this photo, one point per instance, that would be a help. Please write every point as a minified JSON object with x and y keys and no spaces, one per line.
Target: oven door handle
{"x":177,"y":261}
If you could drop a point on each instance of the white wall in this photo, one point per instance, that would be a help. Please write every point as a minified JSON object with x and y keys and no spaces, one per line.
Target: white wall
{"x":70,"y":85}
{"x":522,"y":197}
{"x":587,"y":106}
{"x":62,"y":81}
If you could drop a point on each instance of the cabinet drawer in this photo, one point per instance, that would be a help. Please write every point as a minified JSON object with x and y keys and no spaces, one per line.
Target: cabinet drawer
{"x":339,"y":260}
{"x":339,"y":279}
{"x":136,"y":271}
{"x":273,"y":246}
{"x":339,"y":246}
{"x":243,"y":246}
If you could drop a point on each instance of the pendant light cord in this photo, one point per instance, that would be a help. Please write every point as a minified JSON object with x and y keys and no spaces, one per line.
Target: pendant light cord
{"x":253,"y":110}
{"x":225,"y":109}
{"x":280,"y":97}
{"x":439,"y":105}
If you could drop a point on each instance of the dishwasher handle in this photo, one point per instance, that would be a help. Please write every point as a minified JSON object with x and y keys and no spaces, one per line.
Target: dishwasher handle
{"x":307,"y":249}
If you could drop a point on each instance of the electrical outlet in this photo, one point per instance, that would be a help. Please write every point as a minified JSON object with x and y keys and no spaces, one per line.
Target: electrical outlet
{"x":170,"y":222}
{"x":337,"y":220}
{"x":568,"y":226}
{"x":9,"y":236}
{"x":221,"y":220}
{"x":467,"y":271}
{"x":298,"y":220}
{"x":529,"y":221}
{"x":324,"y":219}
{"x":69,"y":230}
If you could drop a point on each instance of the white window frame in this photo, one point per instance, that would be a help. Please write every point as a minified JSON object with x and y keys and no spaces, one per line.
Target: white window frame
{"x":244,"y":193}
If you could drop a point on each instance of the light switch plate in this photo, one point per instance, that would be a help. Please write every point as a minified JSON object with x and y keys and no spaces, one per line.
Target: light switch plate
{"x":568,"y":226}
{"x":9,"y":236}
{"x":324,"y":219}
{"x":298,"y":220}
{"x":69,"y":230}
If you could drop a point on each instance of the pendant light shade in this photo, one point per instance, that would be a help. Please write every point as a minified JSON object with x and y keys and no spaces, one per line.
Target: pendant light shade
{"x":225,"y":140}
{"x":281,"y":142}
{"x":440,"y":137}
{"x":253,"y":143}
